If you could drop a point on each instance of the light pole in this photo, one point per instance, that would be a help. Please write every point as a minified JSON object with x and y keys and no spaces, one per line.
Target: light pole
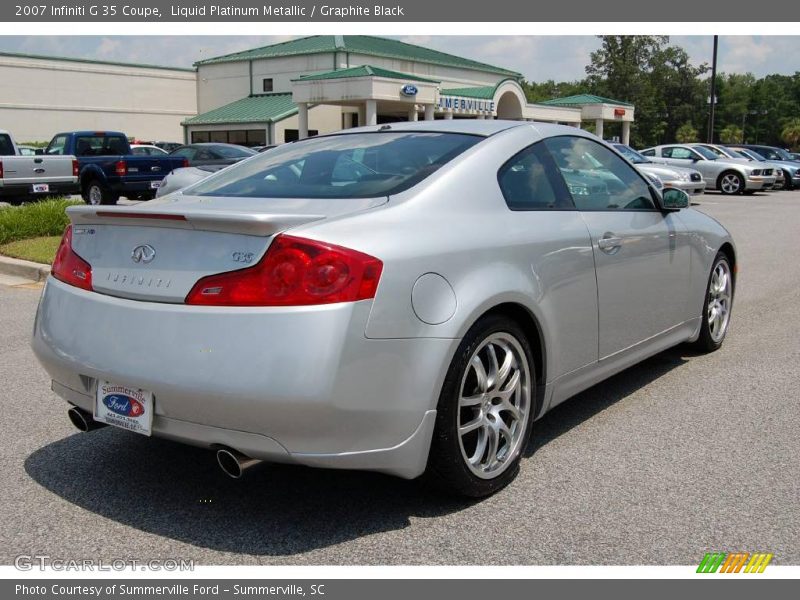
{"x":713,"y":100}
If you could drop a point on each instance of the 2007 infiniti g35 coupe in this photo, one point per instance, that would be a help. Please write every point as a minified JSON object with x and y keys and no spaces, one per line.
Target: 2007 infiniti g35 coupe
{"x":407,"y":298}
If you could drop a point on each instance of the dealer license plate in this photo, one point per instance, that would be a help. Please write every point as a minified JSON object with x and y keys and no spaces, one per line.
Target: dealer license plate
{"x":125,"y":407}
{"x":41,"y":188}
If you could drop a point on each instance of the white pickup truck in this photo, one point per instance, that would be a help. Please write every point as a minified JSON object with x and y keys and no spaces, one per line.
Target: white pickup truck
{"x":29,"y":177}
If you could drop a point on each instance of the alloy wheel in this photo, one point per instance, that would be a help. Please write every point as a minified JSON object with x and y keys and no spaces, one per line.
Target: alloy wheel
{"x":719,"y":301}
{"x":730,"y":184}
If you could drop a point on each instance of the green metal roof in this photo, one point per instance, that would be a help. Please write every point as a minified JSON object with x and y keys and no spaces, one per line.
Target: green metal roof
{"x":363,"y":71}
{"x":481,"y":93}
{"x":359,"y":44}
{"x":259,"y":108}
{"x":580,"y":99}
{"x":94,"y":62}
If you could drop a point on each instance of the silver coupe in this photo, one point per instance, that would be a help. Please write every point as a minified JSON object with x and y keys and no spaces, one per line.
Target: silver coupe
{"x":405,"y":298}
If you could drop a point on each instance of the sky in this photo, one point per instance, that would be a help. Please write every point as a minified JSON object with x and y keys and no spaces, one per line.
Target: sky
{"x":538,"y":58}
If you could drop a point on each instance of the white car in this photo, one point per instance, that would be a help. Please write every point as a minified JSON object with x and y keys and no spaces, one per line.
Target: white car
{"x":147,"y":150}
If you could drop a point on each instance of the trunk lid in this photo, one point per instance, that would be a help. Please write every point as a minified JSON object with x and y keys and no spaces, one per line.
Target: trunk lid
{"x":157,"y":251}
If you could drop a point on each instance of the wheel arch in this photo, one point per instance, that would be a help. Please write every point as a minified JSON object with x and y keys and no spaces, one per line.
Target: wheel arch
{"x":728,"y":250}
{"x":534,"y":333}
{"x":735,"y":171}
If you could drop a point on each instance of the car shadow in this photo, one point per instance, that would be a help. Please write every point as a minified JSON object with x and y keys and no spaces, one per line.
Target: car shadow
{"x":178,"y":492}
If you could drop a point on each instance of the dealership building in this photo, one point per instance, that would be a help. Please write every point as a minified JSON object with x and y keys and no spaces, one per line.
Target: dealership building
{"x":277,"y":93}
{"x":319,"y":84}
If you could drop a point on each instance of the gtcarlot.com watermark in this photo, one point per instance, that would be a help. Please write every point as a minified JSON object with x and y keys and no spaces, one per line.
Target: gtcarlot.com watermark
{"x":43,"y":562}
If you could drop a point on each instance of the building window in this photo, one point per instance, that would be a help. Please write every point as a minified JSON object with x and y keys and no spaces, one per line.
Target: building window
{"x":242,"y":137}
{"x":267,"y":85}
{"x":292,"y":135}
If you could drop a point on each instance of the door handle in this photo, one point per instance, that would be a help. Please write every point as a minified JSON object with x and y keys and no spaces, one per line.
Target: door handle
{"x":609,"y":244}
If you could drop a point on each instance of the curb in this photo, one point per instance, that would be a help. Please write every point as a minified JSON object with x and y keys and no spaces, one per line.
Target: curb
{"x":23,"y":268}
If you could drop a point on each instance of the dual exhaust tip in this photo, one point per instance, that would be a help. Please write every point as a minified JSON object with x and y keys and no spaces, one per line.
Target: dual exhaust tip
{"x":232,"y":462}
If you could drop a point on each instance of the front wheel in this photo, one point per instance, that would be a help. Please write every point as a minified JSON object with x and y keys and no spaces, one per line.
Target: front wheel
{"x":787,"y":181}
{"x":717,"y":306}
{"x":730,"y":183}
{"x":485,"y":411}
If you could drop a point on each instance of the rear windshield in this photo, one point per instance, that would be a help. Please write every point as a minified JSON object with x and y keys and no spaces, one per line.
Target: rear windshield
{"x":233,"y":151}
{"x":100,"y":145}
{"x":6,"y":147}
{"x":357,"y":165}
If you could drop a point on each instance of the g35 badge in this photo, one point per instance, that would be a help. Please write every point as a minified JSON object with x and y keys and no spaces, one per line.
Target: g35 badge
{"x":243,"y":257}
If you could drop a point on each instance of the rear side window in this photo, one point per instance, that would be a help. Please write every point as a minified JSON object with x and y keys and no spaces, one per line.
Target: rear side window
{"x":357,"y":165}
{"x":597,"y":178}
{"x":6,"y":147}
{"x":530,"y":181}
{"x":100,"y":145}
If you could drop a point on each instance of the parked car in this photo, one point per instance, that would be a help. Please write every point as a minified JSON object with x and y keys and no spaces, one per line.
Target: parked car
{"x":682,"y":178}
{"x":184,"y":177}
{"x":777,"y":168}
{"x":791,"y":168}
{"x":167,"y":146}
{"x":767,"y":169}
{"x":726,"y":175}
{"x":213,"y":154}
{"x":794,"y":155}
{"x":26,"y":177}
{"x":107,"y":168}
{"x":147,"y":150}
{"x":404,"y":298}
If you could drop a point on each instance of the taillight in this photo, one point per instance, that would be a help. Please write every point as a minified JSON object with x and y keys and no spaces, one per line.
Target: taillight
{"x":69,"y":267}
{"x":76,"y":170}
{"x":185,"y":162}
{"x":121,"y":168}
{"x":294,"y":272}
{"x":1,"y":169}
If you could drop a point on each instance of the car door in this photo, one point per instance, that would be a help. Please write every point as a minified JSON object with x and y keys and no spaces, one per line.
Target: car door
{"x":641,"y":254}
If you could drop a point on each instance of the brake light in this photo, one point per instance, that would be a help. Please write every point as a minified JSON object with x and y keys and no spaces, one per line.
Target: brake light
{"x":76,"y":170}
{"x":1,"y":169}
{"x":69,"y":267}
{"x":294,"y":272}
{"x":185,"y":162}
{"x":121,"y":168}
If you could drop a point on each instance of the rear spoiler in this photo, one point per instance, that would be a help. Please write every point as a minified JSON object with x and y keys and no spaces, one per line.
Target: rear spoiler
{"x":260,"y":224}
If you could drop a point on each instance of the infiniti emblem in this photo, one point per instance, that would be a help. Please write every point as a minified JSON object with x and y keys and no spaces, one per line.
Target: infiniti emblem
{"x":143,"y":254}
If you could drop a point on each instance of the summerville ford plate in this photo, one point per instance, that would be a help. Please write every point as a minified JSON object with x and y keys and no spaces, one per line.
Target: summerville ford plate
{"x":124,"y":407}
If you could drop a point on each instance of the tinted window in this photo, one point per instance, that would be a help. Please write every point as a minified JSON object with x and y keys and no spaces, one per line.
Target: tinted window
{"x":648,"y":152}
{"x":682,"y":153}
{"x":597,"y":178}
{"x":388,"y":163}
{"x":705,"y":152}
{"x":185,"y":152}
{"x":6,"y":147}
{"x":233,"y":151}
{"x":100,"y":145}
{"x":140,"y":151}
{"x":530,"y":181}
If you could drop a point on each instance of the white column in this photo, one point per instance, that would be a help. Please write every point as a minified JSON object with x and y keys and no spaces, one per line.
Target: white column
{"x":598,"y":128}
{"x":626,"y":132}
{"x":302,"y":120}
{"x":481,"y":116}
{"x":372,"y":112}
{"x":429,"y":112}
{"x":412,"y":114}
{"x":448,"y":115}
{"x":362,"y":116}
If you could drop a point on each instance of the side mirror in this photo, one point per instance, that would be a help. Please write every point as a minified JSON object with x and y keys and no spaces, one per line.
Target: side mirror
{"x":674,"y":199}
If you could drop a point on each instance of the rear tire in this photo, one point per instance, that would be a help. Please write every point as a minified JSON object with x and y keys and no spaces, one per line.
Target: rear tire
{"x":730,"y":183}
{"x":95,"y":193}
{"x":716,"y":306}
{"x":485,"y":411}
{"x":787,"y":181}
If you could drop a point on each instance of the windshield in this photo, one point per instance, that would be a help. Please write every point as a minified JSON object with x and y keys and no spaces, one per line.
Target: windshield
{"x":234,"y":151}
{"x":357,"y":165}
{"x":739,"y":154}
{"x":783,"y":154}
{"x":631,"y":154}
{"x":706,"y":153}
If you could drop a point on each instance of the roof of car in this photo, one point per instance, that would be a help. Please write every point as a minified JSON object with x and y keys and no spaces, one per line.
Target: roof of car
{"x":485,"y":127}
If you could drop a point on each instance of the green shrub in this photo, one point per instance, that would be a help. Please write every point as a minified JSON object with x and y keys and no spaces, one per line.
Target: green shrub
{"x":34,"y":219}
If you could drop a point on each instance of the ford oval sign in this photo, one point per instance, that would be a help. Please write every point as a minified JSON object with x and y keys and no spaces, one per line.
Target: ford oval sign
{"x":409,"y":90}
{"x":124,"y":405}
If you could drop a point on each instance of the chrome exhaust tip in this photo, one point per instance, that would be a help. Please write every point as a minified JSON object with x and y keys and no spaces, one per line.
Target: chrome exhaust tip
{"x":82,"y":420}
{"x":233,"y":463}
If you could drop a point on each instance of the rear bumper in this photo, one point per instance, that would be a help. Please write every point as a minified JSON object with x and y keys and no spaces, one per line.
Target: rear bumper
{"x":300,"y":385}
{"x":17,"y":190}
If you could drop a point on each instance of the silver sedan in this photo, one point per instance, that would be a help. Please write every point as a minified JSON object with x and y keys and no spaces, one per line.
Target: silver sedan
{"x":407,"y":298}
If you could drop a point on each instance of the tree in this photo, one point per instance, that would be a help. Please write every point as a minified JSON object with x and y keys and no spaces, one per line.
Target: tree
{"x":731,"y":134}
{"x":686,"y":133}
{"x":791,"y":132}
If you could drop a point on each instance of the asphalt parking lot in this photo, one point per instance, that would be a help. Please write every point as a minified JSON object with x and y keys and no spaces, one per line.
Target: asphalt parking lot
{"x":675,"y":457}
